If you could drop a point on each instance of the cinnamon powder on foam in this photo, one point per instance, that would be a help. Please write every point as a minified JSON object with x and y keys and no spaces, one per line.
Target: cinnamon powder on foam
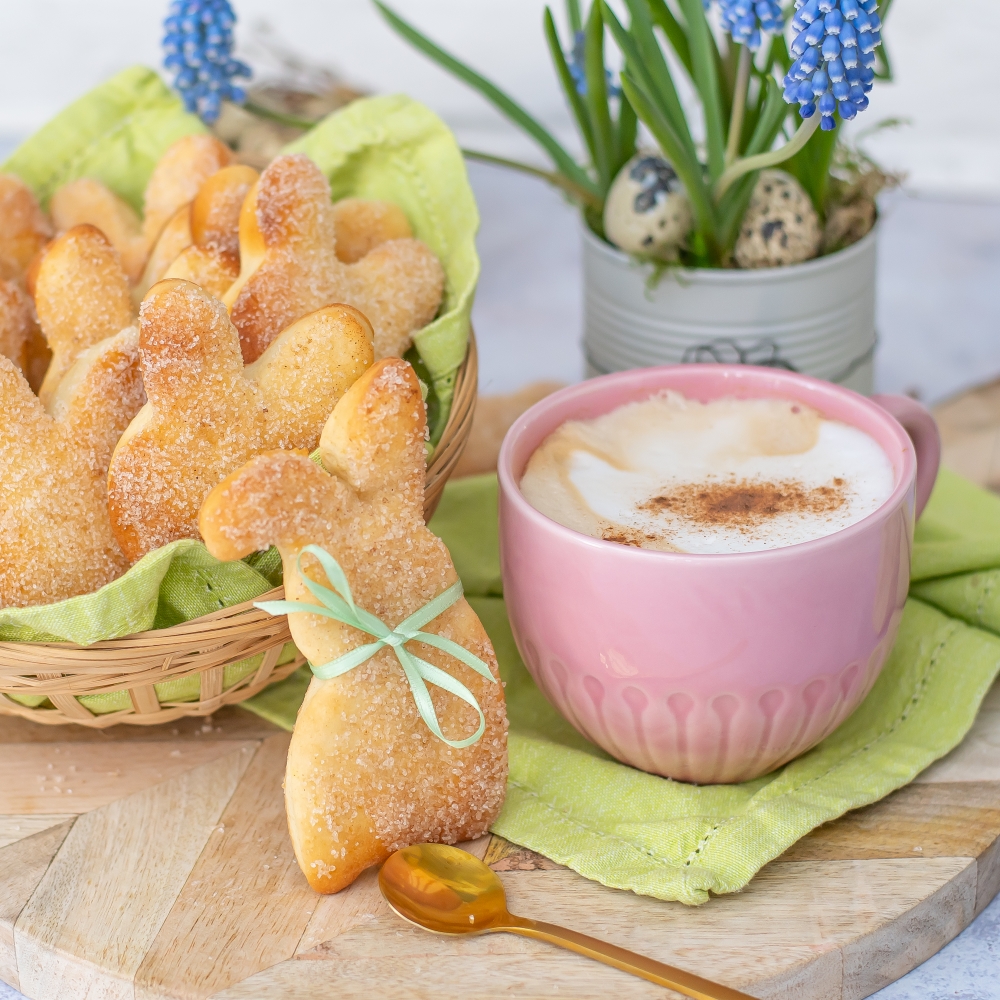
{"x":732,"y":475}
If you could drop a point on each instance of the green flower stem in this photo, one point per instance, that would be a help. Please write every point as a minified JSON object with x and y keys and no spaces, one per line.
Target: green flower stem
{"x":763,"y":160}
{"x":739,"y":105}
{"x":560,"y":181}
{"x":507,"y":106}
{"x":278,"y":116}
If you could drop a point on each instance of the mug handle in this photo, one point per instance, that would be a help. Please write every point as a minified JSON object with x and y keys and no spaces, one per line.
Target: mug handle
{"x":923,"y":430}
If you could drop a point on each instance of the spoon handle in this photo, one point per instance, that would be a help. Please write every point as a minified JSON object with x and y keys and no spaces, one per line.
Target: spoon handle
{"x":628,"y":961}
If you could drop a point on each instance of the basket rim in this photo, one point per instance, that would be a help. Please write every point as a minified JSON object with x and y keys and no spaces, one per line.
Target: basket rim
{"x":216,"y":624}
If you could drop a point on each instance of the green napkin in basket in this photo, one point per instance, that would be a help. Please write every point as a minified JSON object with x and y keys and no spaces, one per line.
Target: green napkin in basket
{"x":381,"y":147}
{"x":571,"y":802}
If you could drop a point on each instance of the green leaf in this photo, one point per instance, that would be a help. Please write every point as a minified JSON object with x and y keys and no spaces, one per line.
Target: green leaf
{"x":704,"y":57}
{"x":597,"y":96}
{"x":506,"y":105}
{"x":574,"y":16}
{"x":573,"y":97}
{"x":660,"y":88}
{"x":811,"y":167}
{"x":733,"y":204}
{"x":689,"y":172}
{"x":663,"y":16}
{"x":625,"y":133}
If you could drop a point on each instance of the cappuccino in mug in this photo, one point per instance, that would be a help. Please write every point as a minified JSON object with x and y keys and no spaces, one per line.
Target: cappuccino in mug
{"x":731,"y":475}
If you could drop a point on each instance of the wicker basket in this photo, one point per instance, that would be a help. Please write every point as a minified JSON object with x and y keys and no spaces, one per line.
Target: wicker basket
{"x":204,"y":647}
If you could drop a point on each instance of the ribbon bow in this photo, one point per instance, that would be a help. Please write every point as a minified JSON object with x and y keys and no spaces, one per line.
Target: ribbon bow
{"x":417,"y":671}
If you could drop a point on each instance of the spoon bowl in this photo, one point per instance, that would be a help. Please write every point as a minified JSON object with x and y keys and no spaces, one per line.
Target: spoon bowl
{"x":443,"y":889}
{"x":449,"y":891}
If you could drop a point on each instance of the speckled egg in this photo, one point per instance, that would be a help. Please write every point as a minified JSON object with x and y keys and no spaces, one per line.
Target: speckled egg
{"x":780,"y":227}
{"x":647,"y":211}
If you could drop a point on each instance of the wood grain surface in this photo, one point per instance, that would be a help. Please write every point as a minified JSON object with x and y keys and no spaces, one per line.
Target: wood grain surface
{"x":154,"y":863}
{"x":168,"y":874}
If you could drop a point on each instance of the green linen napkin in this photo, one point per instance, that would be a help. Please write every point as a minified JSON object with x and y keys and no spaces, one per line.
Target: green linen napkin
{"x":570,"y":801}
{"x":381,"y":147}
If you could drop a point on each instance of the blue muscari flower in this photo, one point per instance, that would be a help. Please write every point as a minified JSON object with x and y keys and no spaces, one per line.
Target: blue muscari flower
{"x":576,"y":61}
{"x":834,"y":49}
{"x":197,"y":47}
{"x":746,"y":20}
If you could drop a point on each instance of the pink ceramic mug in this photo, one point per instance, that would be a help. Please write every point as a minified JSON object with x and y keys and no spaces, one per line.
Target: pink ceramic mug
{"x":711,"y":668}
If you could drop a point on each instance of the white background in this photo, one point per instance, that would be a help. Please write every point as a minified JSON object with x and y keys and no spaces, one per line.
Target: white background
{"x":945,"y":54}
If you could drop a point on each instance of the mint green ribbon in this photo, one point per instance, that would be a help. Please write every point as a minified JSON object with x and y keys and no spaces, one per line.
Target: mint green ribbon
{"x":417,"y":671}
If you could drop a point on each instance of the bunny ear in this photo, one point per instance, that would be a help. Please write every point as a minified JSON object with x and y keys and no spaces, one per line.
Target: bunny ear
{"x":88,"y":201}
{"x":187,"y":341}
{"x":82,"y":297}
{"x":288,"y":263}
{"x":215,"y":212}
{"x":308,"y":369}
{"x":278,"y":498}
{"x":99,"y":396}
{"x":374,"y":439}
{"x":178,"y":176}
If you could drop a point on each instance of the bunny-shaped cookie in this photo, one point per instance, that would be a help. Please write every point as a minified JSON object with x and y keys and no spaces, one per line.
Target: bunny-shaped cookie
{"x":365,"y":775}
{"x":213,"y":259}
{"x":55,"y":536}
{"x":207,"y":415}
{"x":289,"y":266}
{"x":82,"y":297}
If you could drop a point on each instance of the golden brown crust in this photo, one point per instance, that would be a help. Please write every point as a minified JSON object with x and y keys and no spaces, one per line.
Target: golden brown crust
{"x":174,"y":239}
{"x":177,"y":178}
{"x":214,"y":270}
{"x":55,"y":536}
{"x":365,"y":776}
{"x":398,"y":286}
{"x":207,"y":416}
{"x":88,"y":202}
{"x":24,"y":229}
{"x":362,"y":224}
{"x":81,"y":296}
{"x":215,"y":211}
{"x":17,"y":324}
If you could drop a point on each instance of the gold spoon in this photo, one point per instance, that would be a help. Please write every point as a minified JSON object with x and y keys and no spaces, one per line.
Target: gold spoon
{"x":449,"y":891}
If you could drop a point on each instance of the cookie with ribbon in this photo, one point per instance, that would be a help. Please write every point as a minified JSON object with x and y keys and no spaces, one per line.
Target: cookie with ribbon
{"x":81,"y":297}
{"x":289,"y":266}
{"x":213,"y":258}
{"x":378,"y":759}
{"x":208,"y":414}
{"x":56,"y":539}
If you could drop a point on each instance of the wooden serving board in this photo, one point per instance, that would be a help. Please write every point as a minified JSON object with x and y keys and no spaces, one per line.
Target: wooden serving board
{"x":155,"y":862}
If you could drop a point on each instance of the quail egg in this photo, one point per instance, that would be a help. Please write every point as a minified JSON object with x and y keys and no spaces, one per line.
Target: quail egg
{"x":647,"y":210}
{"x":780,"y":227}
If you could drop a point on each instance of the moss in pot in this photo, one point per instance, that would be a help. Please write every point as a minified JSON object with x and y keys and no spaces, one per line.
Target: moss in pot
{"x":771,"y":188}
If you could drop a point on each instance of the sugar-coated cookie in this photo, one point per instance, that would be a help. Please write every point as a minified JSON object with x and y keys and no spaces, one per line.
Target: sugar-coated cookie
{"x":177,"y":178}
{"x":88,"y":202}
{"x":81,"y":296}
{"x":24,"y":228}
{"x":55,"y":535}
{"x":17,"y":323}
{"x":365,"y":775}
{"x":207,"y":415}
{"x":361,"y":224}
{"x":289,"y":266}
{"x":213,"y":259}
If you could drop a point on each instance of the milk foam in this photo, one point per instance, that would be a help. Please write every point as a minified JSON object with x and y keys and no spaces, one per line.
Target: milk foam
{"x":720,"y":477}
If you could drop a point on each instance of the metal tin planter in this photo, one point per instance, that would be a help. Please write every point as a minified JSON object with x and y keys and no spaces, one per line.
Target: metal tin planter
{"x":817,"y":318}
